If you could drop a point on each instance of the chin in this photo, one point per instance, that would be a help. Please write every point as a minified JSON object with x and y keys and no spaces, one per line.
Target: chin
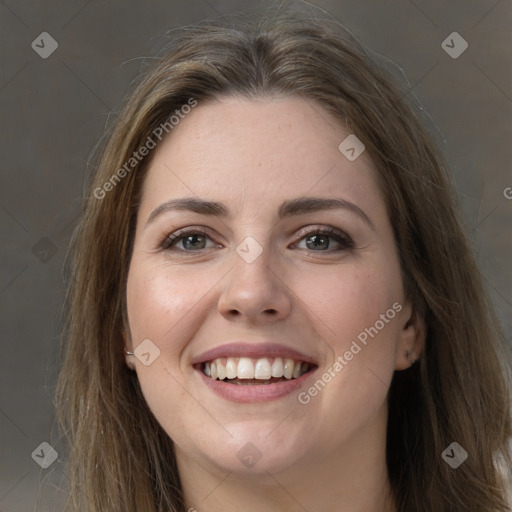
{"x":256,"y":448}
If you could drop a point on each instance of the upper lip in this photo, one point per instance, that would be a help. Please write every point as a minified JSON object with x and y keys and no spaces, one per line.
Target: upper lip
{"x":252,"y":350}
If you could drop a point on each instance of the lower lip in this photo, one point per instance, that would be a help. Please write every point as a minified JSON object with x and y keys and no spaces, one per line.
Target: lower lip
{"x":254,"y":393}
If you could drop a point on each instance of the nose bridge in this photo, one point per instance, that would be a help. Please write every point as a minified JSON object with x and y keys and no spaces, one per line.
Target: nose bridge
{"x":252,"y":264}
{"x":250,"y":250}
{"x":253,"y":287}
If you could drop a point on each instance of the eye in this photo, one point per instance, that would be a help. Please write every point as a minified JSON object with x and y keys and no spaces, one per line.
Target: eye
{"x":316,"y":240}
{"x":323,"y":240}
{"x":188,"y":240}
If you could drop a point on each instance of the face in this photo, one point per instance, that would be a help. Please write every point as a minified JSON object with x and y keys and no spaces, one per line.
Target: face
{"x":275,"y":318}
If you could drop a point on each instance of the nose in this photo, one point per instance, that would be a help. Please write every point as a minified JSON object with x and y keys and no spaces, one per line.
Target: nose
{"x":254,"y":292}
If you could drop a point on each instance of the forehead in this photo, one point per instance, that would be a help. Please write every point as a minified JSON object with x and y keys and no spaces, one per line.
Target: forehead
{"x":257,"y":150}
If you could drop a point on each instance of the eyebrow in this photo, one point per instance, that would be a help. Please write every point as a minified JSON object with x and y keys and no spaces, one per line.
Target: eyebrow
{"x":288,"y":208}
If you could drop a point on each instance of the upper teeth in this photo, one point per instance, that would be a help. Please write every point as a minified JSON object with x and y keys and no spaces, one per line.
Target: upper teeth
{"x":247,"y":368}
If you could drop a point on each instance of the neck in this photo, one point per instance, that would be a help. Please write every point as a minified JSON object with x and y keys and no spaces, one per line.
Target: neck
{"x":351,"y":477}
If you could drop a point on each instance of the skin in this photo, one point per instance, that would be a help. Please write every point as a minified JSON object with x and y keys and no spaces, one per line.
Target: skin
{"x":252,"y":155}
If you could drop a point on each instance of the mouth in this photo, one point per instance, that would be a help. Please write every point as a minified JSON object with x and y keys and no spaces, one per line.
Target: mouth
{"x":253,"y":372}
{"x":246,"y":371}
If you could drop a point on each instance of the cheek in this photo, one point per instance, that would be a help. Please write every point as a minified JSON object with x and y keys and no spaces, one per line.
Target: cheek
{"x":158,"y":298}
{"x":351,"y":301}
{"x":356,"y":311}
{"x":160,"y":303}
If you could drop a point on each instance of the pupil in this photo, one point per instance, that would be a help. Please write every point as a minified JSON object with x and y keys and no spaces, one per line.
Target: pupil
{"x":194,"y":241}
{"x":321,"y":241}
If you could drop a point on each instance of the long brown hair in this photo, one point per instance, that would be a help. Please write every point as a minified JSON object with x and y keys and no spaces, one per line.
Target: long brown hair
{"x":119,"y":457}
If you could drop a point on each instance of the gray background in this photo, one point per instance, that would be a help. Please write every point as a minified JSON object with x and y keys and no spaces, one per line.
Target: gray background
{"x":53,"y":111}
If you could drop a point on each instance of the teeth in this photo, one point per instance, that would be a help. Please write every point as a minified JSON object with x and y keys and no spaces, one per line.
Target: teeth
{"x":230,"y":368}
{"x":277,"y":367}
{"x":288,"y":369}
{"x":262,"y":369}
{"x":245,"y":368}
{"x":221,"y":371}
{"x":213,"y":371}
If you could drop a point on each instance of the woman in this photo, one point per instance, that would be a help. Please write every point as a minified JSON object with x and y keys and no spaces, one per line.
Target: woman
{"x":274,"y":306}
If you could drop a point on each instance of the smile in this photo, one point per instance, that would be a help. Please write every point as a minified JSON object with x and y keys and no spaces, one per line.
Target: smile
{"x":245,"y":372}
{"x":250,"y":371}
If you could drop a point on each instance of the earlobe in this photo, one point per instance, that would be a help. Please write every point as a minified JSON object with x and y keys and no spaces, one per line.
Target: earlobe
{"x":129,"y":359}
{"x":129,"y":356}
{"x":411,"y":340}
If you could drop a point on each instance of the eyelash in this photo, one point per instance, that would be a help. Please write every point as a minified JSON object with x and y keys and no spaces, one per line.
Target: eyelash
{"x":344,"y":240}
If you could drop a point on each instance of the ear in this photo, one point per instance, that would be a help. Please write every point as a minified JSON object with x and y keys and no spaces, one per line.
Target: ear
{"x":411,"y":338}
{"x":128,"y":350}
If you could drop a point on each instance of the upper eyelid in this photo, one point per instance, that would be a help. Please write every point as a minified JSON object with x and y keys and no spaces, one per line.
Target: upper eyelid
{"x":179,"y":234}
{"x":329,"y":230}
